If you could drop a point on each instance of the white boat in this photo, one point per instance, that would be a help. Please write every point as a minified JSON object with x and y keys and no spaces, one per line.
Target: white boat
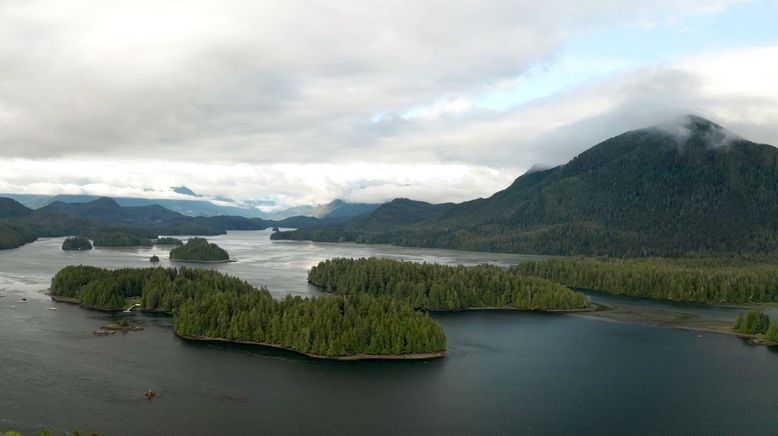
{"x":52,"y":308}
{"x":22,"y":300}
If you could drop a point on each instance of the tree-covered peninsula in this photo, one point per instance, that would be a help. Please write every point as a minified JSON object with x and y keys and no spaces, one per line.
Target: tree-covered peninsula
{"x":441,"y":288}
{"x":169,"y":241}
{"x":76,"y":244}
{"x":199,"y":250}
{"x":716,"y":281}
{"x":115,"y":238}
{"x":208,"y":305}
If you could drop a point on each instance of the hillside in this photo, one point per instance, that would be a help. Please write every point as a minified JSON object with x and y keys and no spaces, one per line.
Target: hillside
{"x":683,"y":186}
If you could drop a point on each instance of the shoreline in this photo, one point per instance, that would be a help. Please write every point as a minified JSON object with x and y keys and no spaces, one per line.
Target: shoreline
{"x":678,"y":320}
{"x":203,"y":261}
{"x":348,"y":358}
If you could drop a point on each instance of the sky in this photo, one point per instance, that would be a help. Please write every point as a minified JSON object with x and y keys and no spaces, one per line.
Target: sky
{"x":287,"y":103}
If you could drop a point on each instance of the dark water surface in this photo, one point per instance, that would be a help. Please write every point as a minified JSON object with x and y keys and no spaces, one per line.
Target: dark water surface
{"x":506,"y":372}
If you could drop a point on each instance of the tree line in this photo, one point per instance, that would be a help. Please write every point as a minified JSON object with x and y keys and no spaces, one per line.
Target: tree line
{"x":209,"y":304}
{"x":441,"y":287}
{"x":756,"y":322}
{"x":691,"y":280}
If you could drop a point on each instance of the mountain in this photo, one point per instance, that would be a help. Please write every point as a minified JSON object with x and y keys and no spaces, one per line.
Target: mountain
{"x":336,"y":210}
{"x":192,"y":207}
{"x":184,"y":191}
{"x":20,"y":225}
{"x":13,"y":209}
{"x":684,"y":186}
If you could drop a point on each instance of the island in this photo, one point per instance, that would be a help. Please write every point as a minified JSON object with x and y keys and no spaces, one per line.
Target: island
{"x":199,"y":250}
{"x":755,"y":325}
{"x":169,"y":241}
{"x":154,"y":259}
{"x":122,"y":326}
{"x":210,"y":306}
{"x":76,"y":244}
{"x":436,"y":287}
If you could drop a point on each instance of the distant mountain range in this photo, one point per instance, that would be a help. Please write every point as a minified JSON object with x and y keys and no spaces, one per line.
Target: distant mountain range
{"x":676,"y":188}
{"x":20,"y":224}
{"x":199,"y":206}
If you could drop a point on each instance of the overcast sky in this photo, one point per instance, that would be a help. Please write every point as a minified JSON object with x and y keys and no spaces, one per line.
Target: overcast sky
{"x":301,"y":102}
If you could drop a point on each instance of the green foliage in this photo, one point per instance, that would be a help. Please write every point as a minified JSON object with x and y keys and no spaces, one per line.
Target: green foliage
{"x":76,"y":244}
{"x":753,"y":322}
{"x":206,"y":303}
{"x":772,"y":332}
{"x":329,"y":326}
{"x":199,"y":250}
{"x":11,"y":433}
{"x":692,"y":280}
{"x":12,"y":236}
{"x":169,"y":241}
{"x":119,"y":239}
{"x":643,"y":193}
{"x":440,"y":287}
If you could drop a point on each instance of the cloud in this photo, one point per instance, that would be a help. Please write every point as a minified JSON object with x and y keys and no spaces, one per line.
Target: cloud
{"x":295,"y":102}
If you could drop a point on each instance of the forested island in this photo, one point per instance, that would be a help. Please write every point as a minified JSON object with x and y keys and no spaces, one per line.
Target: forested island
{"x":76,"y":244}
{"x":199,"y":250}
{"x":444,"y":288}
{"x":208,"y":305}
{"x":715,"y":281}
{"x":757,"y":324}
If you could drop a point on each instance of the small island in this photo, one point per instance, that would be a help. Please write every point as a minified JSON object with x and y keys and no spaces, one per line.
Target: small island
{"x":755,"y":326}
{"x":210,"y":306}
{"x":154,"y":259}
{"x":169,"y":241}
{"x":122,"y":326}
{"x":201,"y":251}
{"x":76,"y":244}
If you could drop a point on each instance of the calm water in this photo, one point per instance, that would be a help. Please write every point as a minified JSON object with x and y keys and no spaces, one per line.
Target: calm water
{"x":506,"y":373}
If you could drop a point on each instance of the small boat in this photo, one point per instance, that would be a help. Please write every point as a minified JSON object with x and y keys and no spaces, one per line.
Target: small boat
{"x":150,"y":395}
{"x":2,"y":295}
{"x":22,"y":300}
{"x":52,"y":308}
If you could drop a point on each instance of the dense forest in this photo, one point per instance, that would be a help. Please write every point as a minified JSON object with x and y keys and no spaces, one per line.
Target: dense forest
{"x":644,"y":193}
{"x":77,"y":244}
{"x":756,"y":322}
{"x":119,"y":239}
{"x":206,"y":303}
{"x":753,"y":322}
{"x":169,"y":241}
{"x":199,"y":250}
{"x":693,"y":280}
{"x":328,"y":326}
{"x":440,"y":287}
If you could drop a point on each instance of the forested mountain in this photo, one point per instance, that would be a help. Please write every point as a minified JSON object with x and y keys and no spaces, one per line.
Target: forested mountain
{"x":679,"y":187}
{"x":105,"y":219}
{"x":12,"y":209}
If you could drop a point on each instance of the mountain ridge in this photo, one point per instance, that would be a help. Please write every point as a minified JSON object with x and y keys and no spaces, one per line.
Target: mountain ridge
{"x":683,"y":186}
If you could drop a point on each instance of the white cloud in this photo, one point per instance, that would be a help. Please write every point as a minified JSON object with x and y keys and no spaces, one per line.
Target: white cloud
{"x":301,"y":102}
